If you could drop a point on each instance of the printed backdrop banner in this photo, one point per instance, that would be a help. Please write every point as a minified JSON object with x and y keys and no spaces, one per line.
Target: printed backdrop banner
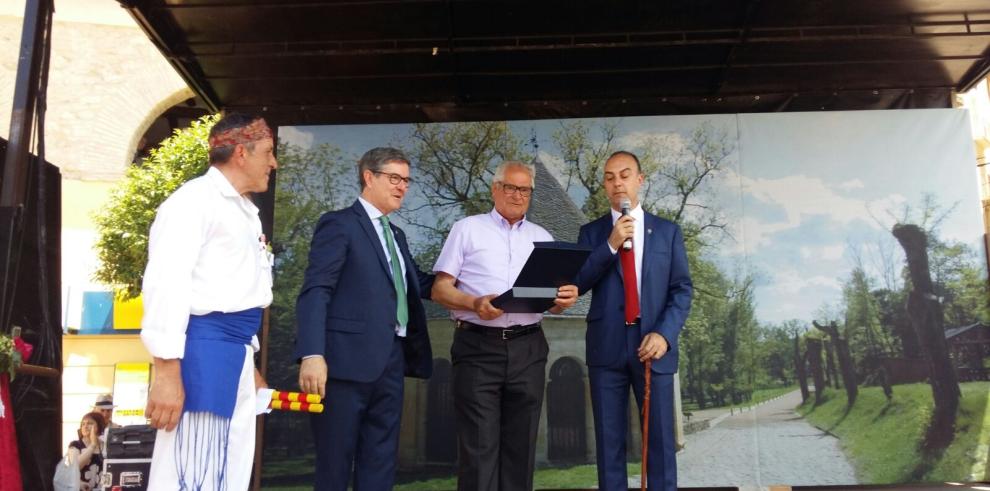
{"x":813,"y":354}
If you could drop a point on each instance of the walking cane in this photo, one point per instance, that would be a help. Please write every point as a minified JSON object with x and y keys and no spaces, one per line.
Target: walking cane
{"x":646,"y":424}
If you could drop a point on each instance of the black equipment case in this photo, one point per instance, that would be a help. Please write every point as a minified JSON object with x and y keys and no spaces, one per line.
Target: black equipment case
{"x":127,"y":462}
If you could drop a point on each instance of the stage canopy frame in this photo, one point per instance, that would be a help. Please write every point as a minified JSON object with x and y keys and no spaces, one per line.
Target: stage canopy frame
{"x":362,"y":61}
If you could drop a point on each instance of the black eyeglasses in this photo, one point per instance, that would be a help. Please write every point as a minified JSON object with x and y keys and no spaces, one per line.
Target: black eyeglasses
{"x":523,"y":191}
{"x":394,"y":179}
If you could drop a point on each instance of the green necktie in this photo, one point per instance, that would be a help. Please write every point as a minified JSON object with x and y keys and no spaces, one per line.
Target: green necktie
{"x":402,"y":307}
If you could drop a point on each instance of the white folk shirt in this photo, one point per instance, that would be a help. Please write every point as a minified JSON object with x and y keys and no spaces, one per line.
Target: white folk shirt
{"x":638,"y":238}
{"x":205,"y":254}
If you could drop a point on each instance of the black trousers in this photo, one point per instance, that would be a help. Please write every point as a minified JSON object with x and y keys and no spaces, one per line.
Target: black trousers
{"x":498,"y":394}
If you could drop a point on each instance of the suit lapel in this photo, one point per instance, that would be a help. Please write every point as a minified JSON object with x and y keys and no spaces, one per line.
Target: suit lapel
{"x":605,"y":229}
{"x":650,"y":224}
{"x":376,"y":243}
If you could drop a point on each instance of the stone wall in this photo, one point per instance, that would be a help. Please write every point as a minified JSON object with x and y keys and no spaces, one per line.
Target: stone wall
{"x":107,"y":84}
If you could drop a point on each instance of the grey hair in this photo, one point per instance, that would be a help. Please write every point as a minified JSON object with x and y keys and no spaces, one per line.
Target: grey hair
{"x":376,"y":158}
{"x":500,"y":171}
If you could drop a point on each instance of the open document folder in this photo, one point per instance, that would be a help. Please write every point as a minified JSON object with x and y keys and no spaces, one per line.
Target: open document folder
{"x":550,"y":265}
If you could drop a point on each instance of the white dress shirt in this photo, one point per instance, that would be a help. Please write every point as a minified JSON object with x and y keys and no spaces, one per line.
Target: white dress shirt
{"x":639,"y":231}
{"x":205,"y":254}
{"x":375,"y":215}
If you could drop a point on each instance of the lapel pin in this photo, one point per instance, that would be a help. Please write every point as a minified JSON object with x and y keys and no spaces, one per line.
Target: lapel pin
{"x":649,"y":230}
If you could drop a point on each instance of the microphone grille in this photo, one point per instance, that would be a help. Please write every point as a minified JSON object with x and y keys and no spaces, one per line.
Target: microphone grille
{"x":625,"y":204}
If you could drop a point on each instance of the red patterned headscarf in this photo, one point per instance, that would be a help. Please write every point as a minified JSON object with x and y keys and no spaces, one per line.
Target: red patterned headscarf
{"x":257,"y":130}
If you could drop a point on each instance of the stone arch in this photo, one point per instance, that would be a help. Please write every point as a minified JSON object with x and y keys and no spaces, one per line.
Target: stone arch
{"x":441,"y":441}
{"x":178,"y":96}
{"x":98,"y":108}
{"x":566,"y":412}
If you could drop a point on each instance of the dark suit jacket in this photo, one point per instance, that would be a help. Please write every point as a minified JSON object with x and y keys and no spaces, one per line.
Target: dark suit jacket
{"x":665,"y":290}
{"x":346,"y":307}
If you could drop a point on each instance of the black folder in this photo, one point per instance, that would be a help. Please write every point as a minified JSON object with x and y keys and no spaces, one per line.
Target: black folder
{"x":550,"y":265}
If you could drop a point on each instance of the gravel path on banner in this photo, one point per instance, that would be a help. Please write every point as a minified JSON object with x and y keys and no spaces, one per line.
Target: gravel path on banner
{"x":765,"y":446}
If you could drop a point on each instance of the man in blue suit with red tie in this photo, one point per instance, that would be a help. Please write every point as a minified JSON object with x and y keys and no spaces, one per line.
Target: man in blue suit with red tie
{"x":641,"y":295}
{"x":361,"y":327}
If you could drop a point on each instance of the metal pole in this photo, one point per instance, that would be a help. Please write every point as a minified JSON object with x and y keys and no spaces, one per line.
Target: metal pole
{"x":13,"y":188}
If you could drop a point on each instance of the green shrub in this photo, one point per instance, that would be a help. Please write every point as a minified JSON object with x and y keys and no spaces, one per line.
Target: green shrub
{"x":123,"y":224}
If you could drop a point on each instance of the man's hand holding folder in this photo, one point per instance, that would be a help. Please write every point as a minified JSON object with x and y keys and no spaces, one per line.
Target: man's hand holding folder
{"x":546,"y":280}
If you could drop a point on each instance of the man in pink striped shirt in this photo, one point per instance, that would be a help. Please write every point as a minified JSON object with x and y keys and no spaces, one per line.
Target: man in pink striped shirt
{"x":499,"y":359}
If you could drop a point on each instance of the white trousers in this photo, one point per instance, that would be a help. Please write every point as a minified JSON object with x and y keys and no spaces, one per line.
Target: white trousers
{"x":240,"y":448}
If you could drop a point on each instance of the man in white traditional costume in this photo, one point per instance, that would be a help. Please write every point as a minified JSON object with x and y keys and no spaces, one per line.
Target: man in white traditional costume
{"x":207,"y":281}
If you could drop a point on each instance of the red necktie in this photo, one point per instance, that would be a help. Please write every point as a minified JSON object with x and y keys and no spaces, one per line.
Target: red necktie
{"x":628,"y":259}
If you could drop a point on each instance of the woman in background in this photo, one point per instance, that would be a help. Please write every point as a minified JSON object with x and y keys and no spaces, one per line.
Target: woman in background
{"x":86,"y":451}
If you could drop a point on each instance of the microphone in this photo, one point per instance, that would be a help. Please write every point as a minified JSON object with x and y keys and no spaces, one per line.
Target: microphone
{"x":625,"y":205}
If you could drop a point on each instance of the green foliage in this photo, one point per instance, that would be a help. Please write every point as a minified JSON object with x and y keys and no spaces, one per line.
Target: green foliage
{"x":893,"y":318}
{"x":960,"y":278}
{"x":700,"y":353}
{"x":958,"y":272}
{"x":584,"y":157}
{"x":123,"y":224}
{"x":740,"y":343}
{"x":967,"y":456}
{"x":875,"y":320}
{"x":775,"y":356}
{"x":723,"y":347}
{"x":884,"y":440}
{"x":868,"y":339}
{"x":10,"y":358}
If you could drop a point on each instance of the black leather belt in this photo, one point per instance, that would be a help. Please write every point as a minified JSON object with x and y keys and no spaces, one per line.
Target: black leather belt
{"x":505,"y":333}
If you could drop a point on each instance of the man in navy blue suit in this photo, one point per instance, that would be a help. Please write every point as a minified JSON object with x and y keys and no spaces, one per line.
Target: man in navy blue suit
{"x":361,"y":327}
{"x":641,"y":295}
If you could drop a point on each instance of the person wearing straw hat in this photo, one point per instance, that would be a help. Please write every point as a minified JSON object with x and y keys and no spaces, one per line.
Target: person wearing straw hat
{"x":641,"y":295}
{"x":104,"y":405}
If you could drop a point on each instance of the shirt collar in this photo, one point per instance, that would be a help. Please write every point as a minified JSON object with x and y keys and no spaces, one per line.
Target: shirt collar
{"x":499,"y":219}
{"x":636,"y":213}
{"x":226,"y":188}
{"x":221,"y":181}
{"x":370,"y":209}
